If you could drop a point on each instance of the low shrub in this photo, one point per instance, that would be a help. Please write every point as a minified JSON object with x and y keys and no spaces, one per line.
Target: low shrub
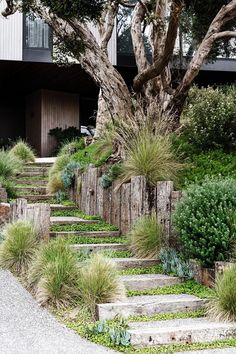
{"x":68,"y":173}
{"x":54,"y":274}
{"x":150,"y":155}
{"x":55,"y":182}
{"x":146,"y":236}
{"x":172,"y":263}
{"x":223,"y":305}
{"x":18,"y":247}
{"x":9,"y":165}
{"x":99,"y":282}
{"x":111,"y":175}
{"x":71,"y":147}
{"x":205,"y":165}
{"x":10,"y":187}
{"x":205,"y":221}
{"x":210,"y":118}
{"x":64,"y":135}
{"x":23,"y":151}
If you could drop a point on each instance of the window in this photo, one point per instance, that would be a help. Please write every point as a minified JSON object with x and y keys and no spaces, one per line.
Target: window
{"x":37,"y":33}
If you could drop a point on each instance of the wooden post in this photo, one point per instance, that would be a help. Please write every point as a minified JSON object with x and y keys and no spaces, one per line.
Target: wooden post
{"x":139,"y":198}
{"x":3,"y":195}
{"x":125,"y":211}
{"x":37,"y":214}
{"x":163,"y":206}
{"x":175,"y":197}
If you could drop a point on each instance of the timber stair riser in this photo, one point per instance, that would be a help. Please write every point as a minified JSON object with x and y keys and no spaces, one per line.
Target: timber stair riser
{"x":32,"y":182}
{"x":150,"y":305}
{"x":95,"y":234}
{"x":185,"y":331}
{"x":149,"y":281}
{"x":54,"y":220}
{"x":58,"y":207}
{"x":32,"y":174}
{"x":37,"y":197}
{"x":42,"y":170}
{"x":35,"y":190}
{"x":99,"y":247}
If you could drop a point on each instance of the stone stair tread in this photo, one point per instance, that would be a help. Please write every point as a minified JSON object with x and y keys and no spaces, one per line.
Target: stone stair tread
{"x":185,"y":331}
{"x":32,"y":182}
{"x":149,"y":305}
{"x":61,"y":207}
{"x":100,"y":246}
{"x":44,"y":160}
{"x":149,"y":281}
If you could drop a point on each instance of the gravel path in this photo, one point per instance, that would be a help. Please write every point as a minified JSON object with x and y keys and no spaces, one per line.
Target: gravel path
{"x":212,"y":351}
{"x":26,"y":328}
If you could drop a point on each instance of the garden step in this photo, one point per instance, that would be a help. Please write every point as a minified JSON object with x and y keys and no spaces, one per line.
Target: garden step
{"x":60,"y":207}
{"x":182,"y":331}
{"x":150,"y":305}
{"x":44,"y":161}
{"x":31,"y":174}
{"x":32,"y":189}
{"x":148,"y":281}
{"x":85,"y":233}
{"x":69,"y":220}
{"x":100,"y":247}
{"x":31,"y":182}
{"x":37,"y":197}
{"x":42,"y":170}
{"x":123,"y":263}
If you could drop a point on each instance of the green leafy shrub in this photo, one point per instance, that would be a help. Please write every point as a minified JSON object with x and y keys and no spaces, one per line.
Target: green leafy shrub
{"x":172,"y":263}
{"x":99,"y":282}
{"x":68,"y":173}
{"x":54,"y":274}
{"x":71,"y":147}
{"x":64,"y":135}
{"x":146,"y":236}
{"x":55,"y":182}
{"x":205,"y":165}
{"x":150,"y":155}
{"x":223,"y":305}
{"x":9,"y":165}
{"x":210,"y":117}
{"x":113,"y":172}
{"x":23,"y":151}
{"x":205,"y":221}
{"x":18,"y":247}
{"x":10,"y":187}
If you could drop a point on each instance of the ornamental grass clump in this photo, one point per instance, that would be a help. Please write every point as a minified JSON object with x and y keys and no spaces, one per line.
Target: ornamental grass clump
{"x":99,"y":282}
{"x":23,"y":151}
{"x":146,"y":236}
{"x":205,"y":222}
{"x":18,"y":247}
{"x":55,"y":182}
{"x":10,"y":165}
{"x":222,"y":306}
{"x":150,"y":155}
{"x":53,"y":274}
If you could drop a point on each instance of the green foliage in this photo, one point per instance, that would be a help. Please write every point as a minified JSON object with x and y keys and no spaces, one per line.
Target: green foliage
{"x":90,"y":240}
{"x":64,"y":136}
{"x":68,"y":173}
{"x":113,"y":172}
{"x":9,"y":165}
{"x":10,"y":187}
{"x":92,"y":154}
{"x":210,"y":117}
{"x":18,"y":247}
{"x":99,"y":282}
{"x":205,"y":221}
{"x":71,"y":147}
{"x":172,"y":263}
{"x":157,"y":269}
{"x":100,"y":226}
{"x":54,"y":274}
{"x":188,"y":287}
{"x":146,"y":236}
{"x":150,"y":155}
{"x":223,"y":304}
{"x":23,"y":151}
{"x":167,"y":316}
{"x":55,"y":182}
{"x":205,"y":165}
{"x":77,"y":213}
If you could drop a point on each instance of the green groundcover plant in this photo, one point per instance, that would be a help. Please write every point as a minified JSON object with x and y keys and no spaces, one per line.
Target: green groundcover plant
{"x":205,"y":221}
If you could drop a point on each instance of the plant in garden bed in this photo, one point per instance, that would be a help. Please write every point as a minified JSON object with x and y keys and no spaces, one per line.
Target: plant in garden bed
{"x":18,"y":248}
{"x":54,"y":274}
{"x":92,"y":154}
{"x":172,"y":263}
{"x":76,"y":213}
{"x":23,"y":151}
{"x":55,"y":182}
{"x":116,"y":254}
{"x":147,"y":270}
{"x":167,"y":316}
{"x":71,"y":147}
{"x":84,"y":227}
{"x":94,"y":240}
{"x":146,"y":237}
{"x":111,"y":175}
{"x":9,"y":165}
{"x":99,"y":282}
{"x":188,"y":287}
{"x":205,"y":222}
{"x":223,"y":305}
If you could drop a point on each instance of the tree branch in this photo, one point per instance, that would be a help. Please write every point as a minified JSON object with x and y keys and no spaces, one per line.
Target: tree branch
{"x":158,"y":66}
{"x":224,"y":34}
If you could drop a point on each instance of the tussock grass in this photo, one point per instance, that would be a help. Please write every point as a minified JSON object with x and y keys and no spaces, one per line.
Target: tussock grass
{"x":9,"y":165}
{"x":54,"y":273}
{"x":71,"y":147}
{"x":145,"y":238}
{"x":223,"y":304}
{"x":23,"y":151}
{"x":99,"y":282}
{"x":55,"y":182}
{"x":19,"y":247}
{"x":150,"y":155}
